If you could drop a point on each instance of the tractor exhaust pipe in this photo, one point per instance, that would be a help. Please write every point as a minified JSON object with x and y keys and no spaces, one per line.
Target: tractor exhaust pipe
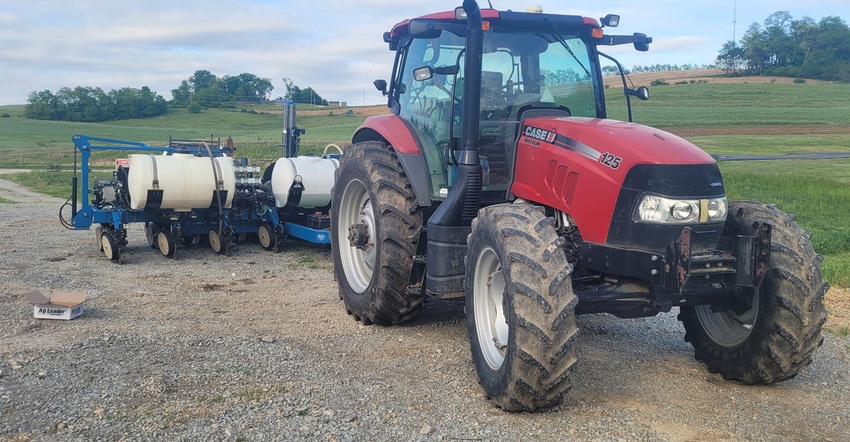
{"x":472,"y":79}
{"x":450,"y":224}
{"x":462,"y":202}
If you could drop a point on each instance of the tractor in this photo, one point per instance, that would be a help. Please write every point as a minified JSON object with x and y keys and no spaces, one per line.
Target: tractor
{"x":497,"y":178}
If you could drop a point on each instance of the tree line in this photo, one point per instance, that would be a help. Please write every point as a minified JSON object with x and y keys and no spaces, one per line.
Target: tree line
{"x":207,"y":90}
{"x":786,"y":47}
{"x":610,"y":70}
{"x":202,"y":89}
{"x":90,"y":104}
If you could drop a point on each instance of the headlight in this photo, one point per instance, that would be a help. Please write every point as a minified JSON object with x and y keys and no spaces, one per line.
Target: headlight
{"x":661,"y":210}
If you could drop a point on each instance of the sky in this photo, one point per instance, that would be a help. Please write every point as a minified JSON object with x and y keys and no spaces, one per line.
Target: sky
{"x":334,"y":47}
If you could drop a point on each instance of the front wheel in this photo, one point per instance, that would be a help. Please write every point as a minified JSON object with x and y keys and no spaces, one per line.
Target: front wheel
{"x":776,"y":337}
{"x":520,"y":307}
{"x":375,"y":226}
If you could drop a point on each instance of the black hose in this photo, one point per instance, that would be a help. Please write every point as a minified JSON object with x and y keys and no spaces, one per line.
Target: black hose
{"x":65,"y":223}
{"x":217,"y":193}
{"x":72,"y":200}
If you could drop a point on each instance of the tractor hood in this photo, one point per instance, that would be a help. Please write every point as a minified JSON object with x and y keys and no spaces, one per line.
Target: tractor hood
{"x":580,"y":165}
{"x":632,"y":143}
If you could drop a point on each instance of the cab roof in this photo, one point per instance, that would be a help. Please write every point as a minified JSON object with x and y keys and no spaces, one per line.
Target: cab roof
{"x":509,"y":19}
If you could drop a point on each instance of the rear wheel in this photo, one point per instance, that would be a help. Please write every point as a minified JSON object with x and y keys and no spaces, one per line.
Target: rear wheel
{"x":375,"y":225}
{"x":520,"y":307}
{"x":776,"y":338}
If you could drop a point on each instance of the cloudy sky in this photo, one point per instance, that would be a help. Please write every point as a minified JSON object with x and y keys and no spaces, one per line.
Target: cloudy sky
{"x":335,"y":47}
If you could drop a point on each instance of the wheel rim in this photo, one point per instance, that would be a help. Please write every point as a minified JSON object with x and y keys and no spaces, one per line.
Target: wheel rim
{"x":164,"y":243}
{"x":491,"y":324}
{"x":215,"y":241}
{"x":358,"y":263}
{"x":265,"y":236}
{"x":107,"y":243}
{"x":727,"y":328}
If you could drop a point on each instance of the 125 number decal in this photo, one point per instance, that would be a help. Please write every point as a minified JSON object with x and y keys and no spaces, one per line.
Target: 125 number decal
{"x":610,"y":160}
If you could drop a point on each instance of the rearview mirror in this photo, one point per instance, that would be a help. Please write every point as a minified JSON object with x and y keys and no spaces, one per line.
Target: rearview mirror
{"x":381,"y":85}
{"x":423,"y":73}
{"x":642,"y":44}
{"x":641,"y":92}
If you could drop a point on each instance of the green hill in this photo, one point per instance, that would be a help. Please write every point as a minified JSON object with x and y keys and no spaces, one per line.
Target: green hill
{"x":722,"y":118}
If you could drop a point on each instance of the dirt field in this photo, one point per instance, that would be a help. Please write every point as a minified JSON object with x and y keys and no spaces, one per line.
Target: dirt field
{"x":257,"y":346}
{"x":698,"y":75}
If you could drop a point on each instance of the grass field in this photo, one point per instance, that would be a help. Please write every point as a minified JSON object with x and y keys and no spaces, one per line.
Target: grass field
{"x":26,"y":142}
{"x":759,"y":117}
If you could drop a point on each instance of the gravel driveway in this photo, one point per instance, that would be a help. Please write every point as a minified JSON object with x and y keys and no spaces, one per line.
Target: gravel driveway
{"x":257,"y":347}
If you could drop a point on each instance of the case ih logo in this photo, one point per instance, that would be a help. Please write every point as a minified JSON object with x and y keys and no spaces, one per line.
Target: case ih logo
{"x":539,"y":134}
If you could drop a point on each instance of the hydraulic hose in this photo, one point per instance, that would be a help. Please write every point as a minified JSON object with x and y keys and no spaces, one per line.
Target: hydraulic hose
{"x":218,"y":184}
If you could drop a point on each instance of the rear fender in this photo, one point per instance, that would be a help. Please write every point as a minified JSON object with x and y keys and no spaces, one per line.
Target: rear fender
{"x":393,"y":131}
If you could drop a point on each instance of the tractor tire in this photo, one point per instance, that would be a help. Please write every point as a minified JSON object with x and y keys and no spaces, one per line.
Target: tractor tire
{"x":776,"y":338}
{"x":520,"y":307}
{"x":375,"y":226}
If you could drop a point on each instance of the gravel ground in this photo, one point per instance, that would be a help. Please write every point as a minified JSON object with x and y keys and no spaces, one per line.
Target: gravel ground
{"x":257,"y":347}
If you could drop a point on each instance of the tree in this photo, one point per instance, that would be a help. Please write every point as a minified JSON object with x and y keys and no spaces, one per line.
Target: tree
{"x":298,"y":95}
{"x":182,"y":95}
{"x":247,"y":87}
{"x":206,"y":89}
{"x":42,"y":106}
{"x":730,"y":58}
{"x":828,"y":55}
{"x":202,"y":79}
{"x":793,"y":48}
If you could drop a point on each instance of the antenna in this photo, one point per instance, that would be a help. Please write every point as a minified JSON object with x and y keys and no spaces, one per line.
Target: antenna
{"x":734,"y":20}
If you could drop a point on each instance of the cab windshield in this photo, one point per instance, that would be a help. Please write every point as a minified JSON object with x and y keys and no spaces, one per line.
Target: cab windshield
{"x":520,"y":71}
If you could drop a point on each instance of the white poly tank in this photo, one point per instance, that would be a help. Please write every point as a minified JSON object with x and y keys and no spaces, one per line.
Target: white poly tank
{"x":317,"y":175}
{"x":187,"y":182}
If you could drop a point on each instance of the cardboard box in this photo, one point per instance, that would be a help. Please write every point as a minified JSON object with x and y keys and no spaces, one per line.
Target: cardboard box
{"x":62,"y":305}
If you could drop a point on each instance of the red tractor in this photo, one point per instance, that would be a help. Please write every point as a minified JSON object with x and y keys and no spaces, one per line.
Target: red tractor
{"x":498,"y":177}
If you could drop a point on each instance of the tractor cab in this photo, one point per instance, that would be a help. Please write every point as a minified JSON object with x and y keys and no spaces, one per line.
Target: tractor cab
{"x":532,"y":65}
